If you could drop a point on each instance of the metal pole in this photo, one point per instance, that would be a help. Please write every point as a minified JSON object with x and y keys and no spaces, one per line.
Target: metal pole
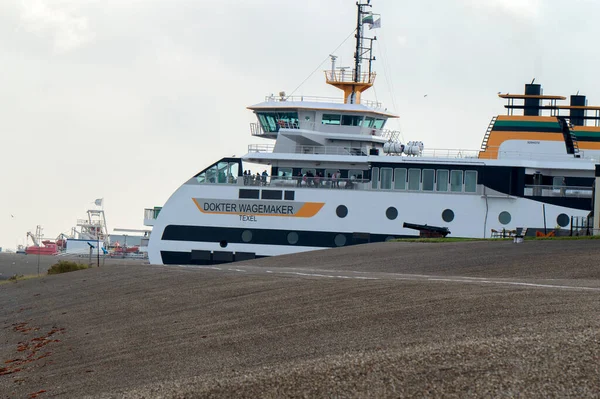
{"x":544,"y":209}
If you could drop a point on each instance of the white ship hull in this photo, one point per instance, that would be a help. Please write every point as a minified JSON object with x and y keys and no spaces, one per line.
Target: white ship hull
{"x":475,"y":215}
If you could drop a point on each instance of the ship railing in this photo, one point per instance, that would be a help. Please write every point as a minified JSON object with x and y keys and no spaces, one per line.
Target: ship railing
{"x":495,"y":153}
{"x":261,"y":148}
{"x":85,"y":222}
{"x":558,"y":191}
{"x":318,"y":99}
{"x":312,"y":99}
{"x":257,"y":129}
{"x":311,"y":182}
{"x":449,"y":153}
{"x":305,"y":149}
{"x":343,"y":76}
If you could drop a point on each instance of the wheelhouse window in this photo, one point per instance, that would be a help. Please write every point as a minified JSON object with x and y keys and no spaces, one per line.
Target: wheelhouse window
{"x":400,"y":179}
{"x":386,"y":178}
{"x":428,"y":179}
{"x":414,"y":179}
{"x":470,"y":181}
{"x":456,"y":181}
{"x":273,"y":121}
{"x":220,"y":173}
{"x":379,"y":123}
{"x":442,"y":180}
{"x":330,"y":119}
{"x":351,"y":120}
{"x":369,"y":122}
{"x":375,"y":178}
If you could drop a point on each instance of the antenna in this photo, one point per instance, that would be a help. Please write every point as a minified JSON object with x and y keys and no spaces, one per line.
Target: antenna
{"x":533,"y":81}
{"x":333,"y":58}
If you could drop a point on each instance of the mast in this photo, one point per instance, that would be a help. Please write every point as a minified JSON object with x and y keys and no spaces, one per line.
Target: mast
{"x":353,"y":86}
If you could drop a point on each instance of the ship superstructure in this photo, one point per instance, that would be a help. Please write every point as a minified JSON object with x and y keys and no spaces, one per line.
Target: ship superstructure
{"x":335,"y":176}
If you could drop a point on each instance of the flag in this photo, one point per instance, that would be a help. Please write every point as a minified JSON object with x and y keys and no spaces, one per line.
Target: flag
{"x":376,"y":24}
{"x":368,"y":19}
{"x":98,"y":202}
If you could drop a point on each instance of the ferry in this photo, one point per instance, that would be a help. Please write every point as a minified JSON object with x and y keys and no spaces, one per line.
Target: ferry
{"x":334,"y":176}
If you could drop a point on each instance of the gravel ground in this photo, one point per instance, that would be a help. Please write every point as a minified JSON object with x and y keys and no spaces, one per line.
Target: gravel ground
{"x":478,"y":319}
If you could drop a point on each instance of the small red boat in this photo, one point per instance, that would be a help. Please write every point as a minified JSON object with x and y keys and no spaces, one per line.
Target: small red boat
{"x":47,"y":248}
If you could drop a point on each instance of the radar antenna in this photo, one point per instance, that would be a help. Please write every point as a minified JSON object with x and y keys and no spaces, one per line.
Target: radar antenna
{"x":359,"y":81}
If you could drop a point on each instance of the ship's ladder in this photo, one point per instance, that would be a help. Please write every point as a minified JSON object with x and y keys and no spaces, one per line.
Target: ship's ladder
{"x":574,"y":139}
{"x":486,"y":138}
{"x":570,"y":138}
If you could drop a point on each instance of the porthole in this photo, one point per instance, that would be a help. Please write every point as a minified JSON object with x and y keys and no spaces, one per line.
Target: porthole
{"x":563,"y":220}
{"x":292,"y":238}
{"x":448,"y":215}
{"x":340,"y":240}
{"x":391,"y":213}
{"x":246,"y":236}
{"x":341,"y":211}
{"x":223,"y":244}
{"x":504,"y":218}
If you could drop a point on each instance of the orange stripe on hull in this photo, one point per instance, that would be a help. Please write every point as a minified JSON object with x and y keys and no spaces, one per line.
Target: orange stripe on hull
{"x":499,"y":137}
{"x":527,"y":118}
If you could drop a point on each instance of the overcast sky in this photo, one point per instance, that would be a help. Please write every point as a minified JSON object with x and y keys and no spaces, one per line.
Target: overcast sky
{"x":126,"y":99}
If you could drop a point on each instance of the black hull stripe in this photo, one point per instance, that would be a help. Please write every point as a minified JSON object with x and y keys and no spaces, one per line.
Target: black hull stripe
{"x":527,"y":129}
{"x":231,"y":235}
{"x":587,"y":139}
{"x":185,"y":258}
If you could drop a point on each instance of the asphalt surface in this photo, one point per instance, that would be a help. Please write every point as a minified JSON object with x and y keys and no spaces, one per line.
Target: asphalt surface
{"x":479,"y":319}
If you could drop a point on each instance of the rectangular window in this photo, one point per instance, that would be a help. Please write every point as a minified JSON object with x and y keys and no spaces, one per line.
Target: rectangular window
{"x":414,"y":179}
{"x":273,"y":121}
{"x":470,"y":181}
{"x":351,"y":120}
{"x":557,"y":182}
{"x":289,"y":195}
{"x":442,"y":180}
{"x":428,"y":179}
{"x":329,"y":119}
{"x":284,"y":172}
{"x":386,"y":178}
{"x":379,"y":123}
{"x":369,"y":122}
{"x":248,"y":194}
{"x":272,"y":194}
{"x":211,"y":174}
{"x":456,"y":181}
{"x":400,"y":179}
{"x":375,"y":178}
{"x":356,"y":174}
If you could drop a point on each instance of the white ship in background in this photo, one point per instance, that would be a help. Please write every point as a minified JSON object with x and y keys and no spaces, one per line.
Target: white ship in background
{"x":337,"y":177}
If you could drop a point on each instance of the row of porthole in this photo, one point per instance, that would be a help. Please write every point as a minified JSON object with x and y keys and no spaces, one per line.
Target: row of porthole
{"x":448,"y":215}
{"x":293,"y":238}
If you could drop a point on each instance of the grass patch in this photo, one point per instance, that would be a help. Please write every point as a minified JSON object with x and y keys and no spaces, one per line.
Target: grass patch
{"x":439,"y":239}
{"x":65,"y":266}
{"x":458,"y":239}
{"x":19,"y":277}
{"x":567,"y":238}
